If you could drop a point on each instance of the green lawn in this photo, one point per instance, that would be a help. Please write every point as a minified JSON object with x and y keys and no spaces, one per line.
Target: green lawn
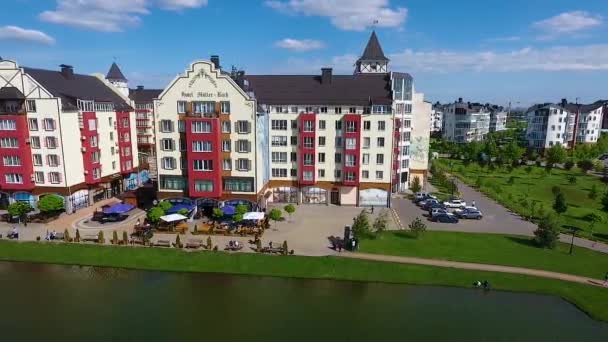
{"x":510,"y":250}
{"x":589,"y":298}
{"x":536,"y":187}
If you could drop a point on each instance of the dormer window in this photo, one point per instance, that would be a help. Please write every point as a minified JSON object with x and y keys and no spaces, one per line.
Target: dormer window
{"x":374,"y":66}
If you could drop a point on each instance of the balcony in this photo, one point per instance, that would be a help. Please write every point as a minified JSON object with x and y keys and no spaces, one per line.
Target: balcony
{"x":213,"y":115}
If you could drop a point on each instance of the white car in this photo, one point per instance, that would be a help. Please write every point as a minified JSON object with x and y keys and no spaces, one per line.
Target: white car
{"x":455,"y":203}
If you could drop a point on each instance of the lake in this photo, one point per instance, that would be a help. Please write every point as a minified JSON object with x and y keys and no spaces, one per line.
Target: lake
{"x":73,"y":303}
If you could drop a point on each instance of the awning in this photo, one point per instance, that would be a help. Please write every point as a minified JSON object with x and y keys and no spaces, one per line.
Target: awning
{"x":119,"y":208}
{"x":176,"y":208}
{"x":173,"y":218}
{"x":229,"y":210}
{"x":253,"y":216}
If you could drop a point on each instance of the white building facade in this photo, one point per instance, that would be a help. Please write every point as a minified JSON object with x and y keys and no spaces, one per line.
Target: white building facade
{"x":465,"y":122}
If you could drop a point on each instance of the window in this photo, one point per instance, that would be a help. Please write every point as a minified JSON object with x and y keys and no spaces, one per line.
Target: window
{"x":338,"y":174}
{"x":278,"y":109}
{"x":294,"y":141}
{"x":379,"y":174}
{"x":95,"y":157}
{"x":13,"y":178}
{"x":405,"y":163}
{"x":242,"y":127}
{"x":39,"y":177}
{"x":338,"y":142}
{"x":169,"y":163}
{"x":365,"y":174}
{"x":338,"y":158}
{"x":181,"y":107}
{"x":405,"y":151}
{"x":167,"y":144}
{"x":226,"y":146}
{"x":96,"y":173}
{"x":379,"y":158}
{"x":381,"y":125}
{"x":279,"y":140}
{"x":32,"y":124}
{"x":350,"y":160}
{"x":323,"y":110}
{"x":351,"y":126}
{"x":351,"y":143}
{"x":238,"y":184}
{"x":279,"y":125}
{"x":308,"y":175}
{"x":112,"y":150}
{"x":338,"y":125}
{"x":365,"y":159}
{"x":226,"y":126}
{"x":52,"y":160}
{"x":408,"y":107}
{"x":321,"y":158}
{"x":201,"y":127}
{"x":166,"y":126}
{"x":380,"y":142}
{"x":322,"y":125}
{"x":225,"y":107}
{"x":367,"y":125}
{"x":93,"y":141}
{"x":183,"y":163}
{"x":202,"y":165}
{"x":338,"y":110}
{"x":8,"y":125}
{"x":309,"y":126}
{"x":308,"y":142}
{"x":92,"y":124}
{"x":352,"y":110}
{"x":366,"y":110}
{"x":309,"y":159}
{"x":126,"y":137}
{"x":321,"y":141}
{"x":405,"y":136}
{"x":125,"y":122}
{"x":201,"y":146}
{"x":12,"y":161}
{"x":376,"y":109}
{"x":203,"y":107}
{"x":294,"y":124}
{"x":294,"y":157}
{"x":30,"y":106}
{"x":243,"y":146}
{"x":227,"y":164}
{"x":111,"y":136}
{"x":407,"y":123}
{"x":51,"y":142}
{"x":34,"y":142}
{"x":110,"y":121}
{"x":321,"y":173}
{"x":37,"y":159}
{"x":349,"y":176}
{"x":243,"y":164}
{"x":293,"y":109}
{"x":181,"y":126}
{"x":308,"y":110}
{"x":279,"y":157}
{"x":279,"y":173}
{"x":366,"y":142}
{"x":293,"y":173}
{"x":54,"y":177}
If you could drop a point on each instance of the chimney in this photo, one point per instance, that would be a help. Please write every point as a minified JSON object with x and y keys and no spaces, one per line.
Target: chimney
{"x":140,"y":87}
{"x":326,"y":75}
{"x":460,"y":100}
{"x":215,"y":59}
{"x":67,"y":71}
{"x":564,"y":102}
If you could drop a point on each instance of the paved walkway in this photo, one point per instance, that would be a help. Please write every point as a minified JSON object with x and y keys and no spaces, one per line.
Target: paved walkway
{"x":477,"y":267}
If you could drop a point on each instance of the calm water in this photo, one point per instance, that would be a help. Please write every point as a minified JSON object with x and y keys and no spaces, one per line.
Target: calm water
{"x":42,"y":302}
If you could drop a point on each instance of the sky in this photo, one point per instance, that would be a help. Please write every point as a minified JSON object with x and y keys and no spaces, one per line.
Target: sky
{"x":498,"y":51}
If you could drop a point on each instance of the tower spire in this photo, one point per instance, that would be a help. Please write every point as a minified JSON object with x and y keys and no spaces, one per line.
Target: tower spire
{"x":373,"y":59}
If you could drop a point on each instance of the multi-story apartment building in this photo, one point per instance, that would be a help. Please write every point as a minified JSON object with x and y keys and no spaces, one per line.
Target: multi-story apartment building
{"x":563,"y":124}
{"x":437,"y":117}
{"x":64,"y":134}
{"x":206,"y":143}
{"x":465,"y":122}
{"x":498,"y":119}
{"x":143,"y":101}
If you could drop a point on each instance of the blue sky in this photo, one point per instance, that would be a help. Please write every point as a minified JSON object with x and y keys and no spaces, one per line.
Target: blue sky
{"x":488,"y":51}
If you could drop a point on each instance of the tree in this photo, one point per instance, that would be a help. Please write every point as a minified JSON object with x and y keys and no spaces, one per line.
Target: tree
{"x":183,"y":212}
{"x":275,"y":215}
{"x":380,"y":222}
{"x":20,"y":209}
{"x":593,"y":192}
{"x":593,"y":218}
{"x":512,"y":152}
{"x":51,"y":203}
{"x":417,"y":227}
{"x":572,"y":179}
{"x":559,"y":204}
{"x":77,"y":238}
{"x":125,"y":238}
{"x":100,"y":238}
{"x":585,"y":165}
{"x":290,"y":209}
{"x":237,"y":217}
{"x":555,"y":190}
{"x":217,"y":214}
{"x":66,"y":236}
{"x":569,"y":165}
{"x":415,"y":186}
{"x":605,"y":202}
{"x":155,"y":214}
{"x":511,"y":180}
{"x":178,"y":242}
{"x":361,"y":227}
{"x":547,"y":234}
{"x":164,"y":205}
{"x":285,"y":248}
{"x":209,"y":243}
{"x":555,"y":155}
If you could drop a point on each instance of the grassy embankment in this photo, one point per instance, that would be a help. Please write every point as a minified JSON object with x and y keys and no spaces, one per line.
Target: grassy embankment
{"x":590,"y":299}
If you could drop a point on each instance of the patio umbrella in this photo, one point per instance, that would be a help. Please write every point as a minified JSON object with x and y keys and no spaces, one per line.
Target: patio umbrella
{"x":229,"y":210}
{"x":173,"y":217}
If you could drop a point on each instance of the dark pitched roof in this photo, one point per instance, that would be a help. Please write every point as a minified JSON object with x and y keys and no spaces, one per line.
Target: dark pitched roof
{"x":144,"y":95}
{"x":373,"y":50}
{"x":584,"y":108}
{"x":358,"y":90}
{"x":115,"y":73}
{"x":77,"y":86}
{"x":11,"y":93}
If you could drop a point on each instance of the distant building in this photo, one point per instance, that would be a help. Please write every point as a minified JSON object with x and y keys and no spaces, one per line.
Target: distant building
{"x":465,"y":122}
{"x":437,"y":117}
{"x":498,"y":119}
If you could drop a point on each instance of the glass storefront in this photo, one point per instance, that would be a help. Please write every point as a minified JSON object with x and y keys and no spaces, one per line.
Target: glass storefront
{"x":285,"y":194}
{"x":312,"y":195}
{"x":373,"y":197}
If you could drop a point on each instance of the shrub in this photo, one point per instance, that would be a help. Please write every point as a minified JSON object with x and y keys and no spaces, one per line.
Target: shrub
{"x":19,"y":209}
{"x":125,"y":238}
{"x":568,"y":165}
{"x":478,"y":182}
{"x":511,"y":180}
{"x":195,"y":228}
{"x":555,"y":190}
{"x":547,"y":234}
{"x":290,"y":209}
{"x":598,"y":166}
{"x":559,"y":204}
{"x":275,"y":215}
{"x":593,"y":192}
{"x":114,"y":238}
{"x":258,"y":245}
{"x":605,"y":202}
{"x":77,"y":238}
{"x":572,"y":179}
{"x":178,"y":242}
{"x":155,"y":214}
{"x":215,"y":249}
{"x":164,"y":205}
{"x":585,"y":165}
{"x":183,"y":212}
{"x":417,"y":227}
{"x":361,"y":226}
{"x":381,"y":222}
{"x":217,"y":213}
{"x":285,"y":249}
{"x":37,"y":238}
{"x":101,"y":238}
{"x":51,"y":203}
{"x":66,"y":236}
{"x":415,"y":186}
{"x":209,"y":244}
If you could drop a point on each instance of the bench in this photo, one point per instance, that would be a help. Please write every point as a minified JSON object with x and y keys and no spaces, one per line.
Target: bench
{"x":137,"y":240}
{"x":233,"y":248}
{"x":194,"y":243}
{"x":163,"y":243}
{"x":90,"y":237}
{"x":59,"y":237}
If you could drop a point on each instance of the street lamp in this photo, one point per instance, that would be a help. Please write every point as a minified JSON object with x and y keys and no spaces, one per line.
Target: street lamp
{"x":573,"y":231}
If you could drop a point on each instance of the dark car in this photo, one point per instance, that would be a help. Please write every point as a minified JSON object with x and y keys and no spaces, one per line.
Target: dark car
{"x":435,"y":206}
{"x":113,"y":218}
{"x":469,"y":213}
{"x":445,"y":218}
{"x":428,"y":203}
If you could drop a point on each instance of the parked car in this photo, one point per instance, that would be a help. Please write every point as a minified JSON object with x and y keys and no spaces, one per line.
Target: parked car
{"x":113,"y":218}
{"x":445,"y":218}
{"x":421,"y":196}
{"x":438,"y":210}
{"x":429,"y":203}
{"x":424,"y":201}
{"x":469,"y":213}
{"x":435,"y":206}
{"x":455,"y":203}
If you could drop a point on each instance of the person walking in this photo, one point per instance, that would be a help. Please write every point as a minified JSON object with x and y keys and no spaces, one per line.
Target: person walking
{"x":473,"y":204}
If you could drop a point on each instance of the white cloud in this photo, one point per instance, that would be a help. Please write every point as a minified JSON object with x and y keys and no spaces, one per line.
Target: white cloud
{"x":21,"y":34}
{"x":109,"y":15}
{"x":352,"y":15}
{"x":567,"y":23}
{"x":299,"y":45}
